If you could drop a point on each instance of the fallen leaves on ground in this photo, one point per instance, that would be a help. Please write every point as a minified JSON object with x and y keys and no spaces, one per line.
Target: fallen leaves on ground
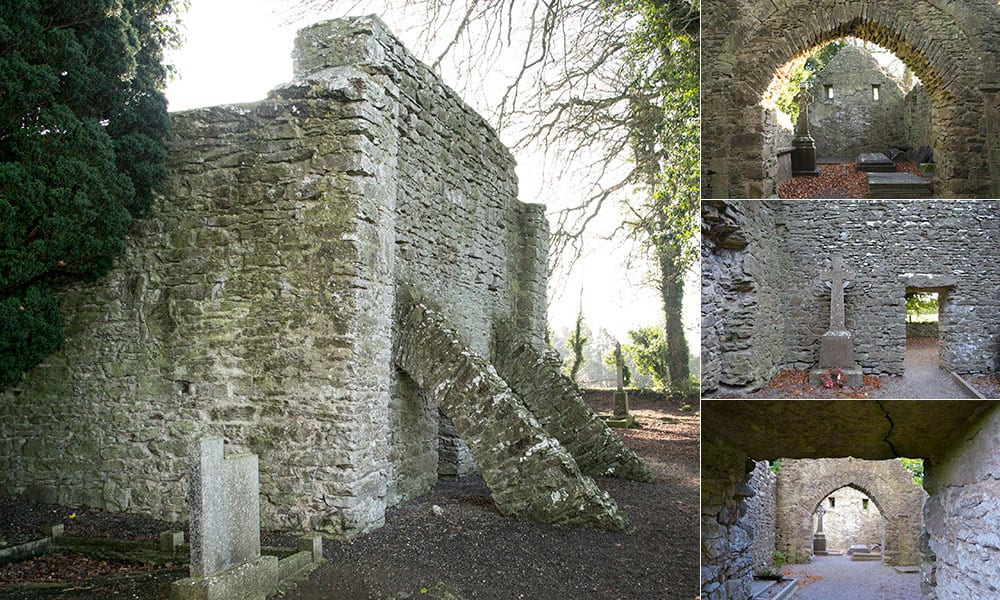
{"x":987,"y":385}
{"x":794,"y":383}
{"x":66,"y":567}
{"x":837,"y":180}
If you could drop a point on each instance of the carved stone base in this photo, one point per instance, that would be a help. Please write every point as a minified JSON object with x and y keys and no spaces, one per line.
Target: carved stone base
{"x":804,"y":157}
{"x":852,"y":376}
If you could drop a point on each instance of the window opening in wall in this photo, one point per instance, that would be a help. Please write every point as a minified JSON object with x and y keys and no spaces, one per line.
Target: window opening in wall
{"x":923,"y":328}
{"x":827,"y":91}
{"x":875,"y":92}
{"x":864,"y":503}
{"x":833,"y":502}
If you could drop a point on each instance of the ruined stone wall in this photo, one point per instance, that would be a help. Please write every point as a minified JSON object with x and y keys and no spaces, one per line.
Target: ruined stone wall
{"x":760,"y":515}
{"x":852,"y":121}
{"x":741,"y":310}
{"x":962,"y":515}
{"x":727,"y":562}
{"x":257,"y":302}
{"x":803,"y":484}
{"x":765,"y":306}
{"x":918,"y":118}
{"x":891,"y":247}
{"x":849,"y":521}
{"x":954,"y":48}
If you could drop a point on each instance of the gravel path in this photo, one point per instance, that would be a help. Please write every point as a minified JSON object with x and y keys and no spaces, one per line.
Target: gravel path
{"x":840,"y":578}
{"x":922,"y":377}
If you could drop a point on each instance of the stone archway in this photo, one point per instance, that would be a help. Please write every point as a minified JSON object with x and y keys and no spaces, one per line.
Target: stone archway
{"x":804,"y":484}
{"x":952,"y":47}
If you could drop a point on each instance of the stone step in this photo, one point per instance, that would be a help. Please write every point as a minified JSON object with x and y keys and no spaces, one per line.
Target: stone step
{"x":530,"y":474}
{"x":898,"y":185}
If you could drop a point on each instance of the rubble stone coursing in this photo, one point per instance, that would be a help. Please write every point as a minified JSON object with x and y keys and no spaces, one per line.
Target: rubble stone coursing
{"x":529,"y":473}
{"x":256,"y":303}
{"x":804,"y":484}
{"x":760,"y":514}
{"x":962,"y":516}
{"x":953,"y":47}
{"x":849,"y":522}
{"x":764,"y":305}
{"x":727,"y":559}
{"x":852,"y":121}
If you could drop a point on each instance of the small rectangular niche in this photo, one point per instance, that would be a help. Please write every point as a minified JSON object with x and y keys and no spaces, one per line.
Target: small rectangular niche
{"x":876,"y":92}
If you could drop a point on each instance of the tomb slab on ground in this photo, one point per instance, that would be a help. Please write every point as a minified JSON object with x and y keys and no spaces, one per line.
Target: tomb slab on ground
{"x":898,"y":185}
{"x":875,"y":162}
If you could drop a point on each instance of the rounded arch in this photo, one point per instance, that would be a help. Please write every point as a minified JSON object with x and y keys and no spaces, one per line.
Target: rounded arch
{"x":803,"y":484}
{"x":954,"y":49}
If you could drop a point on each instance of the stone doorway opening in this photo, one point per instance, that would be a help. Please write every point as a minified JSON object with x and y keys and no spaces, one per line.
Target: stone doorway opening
{"x":751,"y":44}
{"x":847,"y":522}
{"x":923,"y":329}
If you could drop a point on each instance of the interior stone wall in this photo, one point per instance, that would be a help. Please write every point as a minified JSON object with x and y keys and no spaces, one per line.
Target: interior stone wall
{"x":849,"y":522}
{"x":953,"y":47}
{"x":962,"y":515}
{"x":256,"y":303}
{"x":760,"y":514}
{"x":852,"y":121}
{"x":804,"y":483}
{"x":770,"y":315}
{"x":918,"y":118}
{"x":727,"y":560}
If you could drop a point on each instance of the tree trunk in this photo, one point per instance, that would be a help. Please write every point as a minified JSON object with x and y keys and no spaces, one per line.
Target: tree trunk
{"x":672,"y":291}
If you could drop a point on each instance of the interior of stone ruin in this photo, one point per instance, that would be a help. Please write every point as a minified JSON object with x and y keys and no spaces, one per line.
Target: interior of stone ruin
{"x":833,"y":457}
{"x":748,"y":51}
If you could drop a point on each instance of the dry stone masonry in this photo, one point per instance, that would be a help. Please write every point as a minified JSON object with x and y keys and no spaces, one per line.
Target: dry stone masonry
{"x":765,"y":306}
{"x":803,"y":485}
{"x":257,"y":303}
{"x":953,"y":47}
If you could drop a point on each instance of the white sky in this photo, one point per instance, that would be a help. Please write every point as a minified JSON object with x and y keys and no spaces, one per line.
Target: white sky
{"x":236,"y":51}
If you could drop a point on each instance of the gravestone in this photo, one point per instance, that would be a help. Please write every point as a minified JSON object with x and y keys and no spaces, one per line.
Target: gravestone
{"x":620,"y":416}
{"x":224,"y":499}
{"x":803,"y":144}
{"x":875,"y":162}
{"x":898,"y":185}
{"x":819,"y":538}
{"x":836,"y":355}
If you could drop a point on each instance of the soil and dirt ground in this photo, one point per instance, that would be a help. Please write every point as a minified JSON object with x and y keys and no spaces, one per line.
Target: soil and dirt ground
{"x":470,"y":551}
{"x":836,"y":180}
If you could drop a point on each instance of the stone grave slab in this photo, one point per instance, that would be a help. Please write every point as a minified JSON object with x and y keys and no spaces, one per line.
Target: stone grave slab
{"x":858,"y":548}
{"x":898,"y":185}
{"x":875,"y":162}
{"x":866,"y":556}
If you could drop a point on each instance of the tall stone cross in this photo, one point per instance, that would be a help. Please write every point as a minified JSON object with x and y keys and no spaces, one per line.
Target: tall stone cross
{"x":819,"y":518}
{"x":803,"y":98}
{"x":836,"y":274}
{"x":619,"y":371}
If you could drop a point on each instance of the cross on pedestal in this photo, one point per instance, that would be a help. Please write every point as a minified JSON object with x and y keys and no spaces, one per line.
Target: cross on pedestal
{"x":819,"y":518}
{"x":835,"y":274}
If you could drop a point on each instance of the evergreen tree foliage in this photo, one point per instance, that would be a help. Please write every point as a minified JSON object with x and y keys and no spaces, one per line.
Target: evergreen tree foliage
{"x":82,"y":123}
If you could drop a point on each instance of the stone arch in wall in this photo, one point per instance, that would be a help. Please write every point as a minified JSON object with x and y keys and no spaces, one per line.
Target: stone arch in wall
{"x":954,"y":48}
{"x":804,"y":484}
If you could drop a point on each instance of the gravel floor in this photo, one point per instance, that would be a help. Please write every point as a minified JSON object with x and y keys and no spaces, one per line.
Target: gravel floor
{"x":840,"y":578}
{"x":922,"y":376}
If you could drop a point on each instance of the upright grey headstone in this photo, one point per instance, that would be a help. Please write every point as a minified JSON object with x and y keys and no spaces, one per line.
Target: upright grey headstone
{"x":225,"y":508}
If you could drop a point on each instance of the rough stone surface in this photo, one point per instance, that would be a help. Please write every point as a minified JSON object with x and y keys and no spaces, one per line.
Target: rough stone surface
{"x":852,"y":121}
{"x":804,"y":484}
{"x":760,"y":514}
{"x":956,"y":439}
{"x":849,"y":522}
{"x":765,"y":307}
{"x":256,"y":303}
{"x":953,"y":47}
{"x":556,"y":402}
{"x":529,"y":473}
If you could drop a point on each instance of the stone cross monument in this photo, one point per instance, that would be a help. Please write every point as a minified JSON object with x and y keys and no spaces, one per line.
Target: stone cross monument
{"x":620,"y":416}
{"x":803,"y":145}
{"x":819,"y":538}
{"x":836,"y":355}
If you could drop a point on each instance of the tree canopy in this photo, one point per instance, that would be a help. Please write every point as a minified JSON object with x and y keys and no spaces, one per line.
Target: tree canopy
{"x":82,"y":124}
